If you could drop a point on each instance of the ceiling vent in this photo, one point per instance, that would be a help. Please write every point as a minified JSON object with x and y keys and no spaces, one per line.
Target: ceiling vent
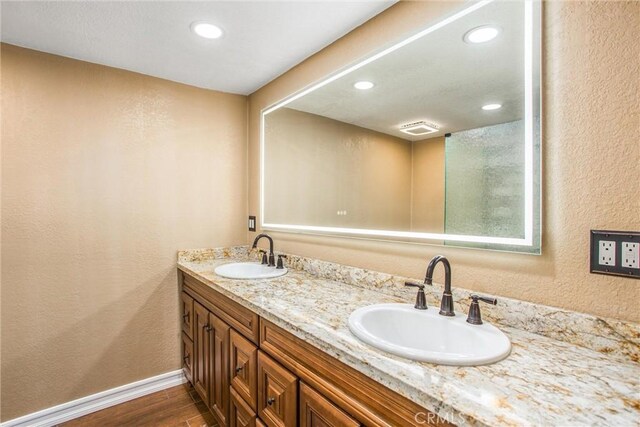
{"x":419,"y":128}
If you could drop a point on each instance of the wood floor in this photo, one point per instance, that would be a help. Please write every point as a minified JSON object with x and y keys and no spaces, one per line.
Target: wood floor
{"x":176,"y":406}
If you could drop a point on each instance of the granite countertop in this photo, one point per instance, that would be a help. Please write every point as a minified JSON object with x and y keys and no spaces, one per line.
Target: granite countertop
{"x":544,"y":382}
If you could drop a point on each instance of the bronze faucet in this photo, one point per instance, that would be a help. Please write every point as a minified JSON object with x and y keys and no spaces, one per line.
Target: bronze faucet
{"x":272,"y":258}
{"x":446,"y":305}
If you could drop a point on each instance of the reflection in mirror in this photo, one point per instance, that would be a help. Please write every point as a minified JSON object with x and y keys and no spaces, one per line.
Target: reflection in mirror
{"x":433,"y":140}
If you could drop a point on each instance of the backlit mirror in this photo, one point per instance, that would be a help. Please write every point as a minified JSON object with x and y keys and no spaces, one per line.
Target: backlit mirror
{"x":435,"y":139}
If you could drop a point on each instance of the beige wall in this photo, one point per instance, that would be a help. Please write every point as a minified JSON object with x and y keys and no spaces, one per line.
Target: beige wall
{"x":427,"y":199}
{"x":319,"y":166}
{"x":105,"y":175}
{"x":591,"y":178}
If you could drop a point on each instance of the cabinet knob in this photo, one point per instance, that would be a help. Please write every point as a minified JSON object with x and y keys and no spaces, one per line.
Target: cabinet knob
{"x":185,"y":316}
{"x":208,"y":328}
{"x":271,"y":400}
{"x":239,"y":368}
{"x":186,"y":359}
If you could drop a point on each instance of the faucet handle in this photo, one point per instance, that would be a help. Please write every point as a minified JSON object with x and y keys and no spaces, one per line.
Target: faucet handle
{"x":280,"y":263}
{"x":264,"y":256}
{"x":421,"y":300}
{"x":488,"y":300}
{"x":415,"y":285}
{"x":475,"y":318}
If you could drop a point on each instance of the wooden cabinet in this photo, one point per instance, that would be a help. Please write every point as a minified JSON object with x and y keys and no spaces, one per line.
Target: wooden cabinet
{"x":187,"y":335}
{"x":251,"y":372}
{"x":244,"y":365}
{"x":187,"y":314}
{"x":211,"y":362}
{"x":318,"y":411}
{"x":358,"y":395}
{"x":277,"y":393}
{"x":219,"y":369}
{"x":187,"y":357}
{"x":233,"y":314}
{"x":241,"y":415}
{"x":201,"y":345}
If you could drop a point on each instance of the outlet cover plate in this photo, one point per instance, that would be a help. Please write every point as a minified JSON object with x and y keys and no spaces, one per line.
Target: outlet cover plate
{"x":603,"y":241}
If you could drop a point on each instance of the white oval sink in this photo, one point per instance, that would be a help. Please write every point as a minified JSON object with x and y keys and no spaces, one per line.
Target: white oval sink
{"x":249,"y":270}
{"x":426,"y":336}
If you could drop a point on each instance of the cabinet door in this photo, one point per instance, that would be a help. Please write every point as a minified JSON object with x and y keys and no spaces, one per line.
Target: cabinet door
{"x":241,"y":414}
{"x":277,"y":393}
{"x":244,"y":365}
{"x":187,"y":314}
{"x":201,"y":351}
{"x":187,"y":357}
{"x":259,"y":423}
{"x":219,"y":369}
{"x":318,"y":411}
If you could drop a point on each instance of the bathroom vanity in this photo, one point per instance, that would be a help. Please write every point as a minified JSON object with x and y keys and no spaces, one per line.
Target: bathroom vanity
{"x":251,"y":371}
{"x":279,"y":352}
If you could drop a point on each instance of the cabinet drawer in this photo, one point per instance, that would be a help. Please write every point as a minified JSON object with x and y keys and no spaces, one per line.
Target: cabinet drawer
{"x":241,"y":414}
{"x":187,"y":357}
{"x":277,"y":393}
{"x":244,"y":367}
{"x":235,"y":315}
{"x":187,"y":314}
{"x":317,"y":411}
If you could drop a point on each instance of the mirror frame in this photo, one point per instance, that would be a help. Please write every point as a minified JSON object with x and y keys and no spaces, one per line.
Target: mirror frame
{"x":421,"y":237}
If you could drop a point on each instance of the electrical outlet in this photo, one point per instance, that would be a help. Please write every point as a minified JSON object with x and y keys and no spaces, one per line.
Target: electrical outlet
{"x":615,"y":252}
{"x":631,"y":255}
{"x":607,"y":253}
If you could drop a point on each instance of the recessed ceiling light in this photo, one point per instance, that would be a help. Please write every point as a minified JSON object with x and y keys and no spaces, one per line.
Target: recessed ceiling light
{"x":419,"y":128}
{"x":206,"y":30}
{"x":481,"y":34}
{"x":363,"y":85}
{"x":490,"y":107}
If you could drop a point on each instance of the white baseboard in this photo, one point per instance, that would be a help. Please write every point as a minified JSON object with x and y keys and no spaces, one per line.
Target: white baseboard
{"x":95,"y":402}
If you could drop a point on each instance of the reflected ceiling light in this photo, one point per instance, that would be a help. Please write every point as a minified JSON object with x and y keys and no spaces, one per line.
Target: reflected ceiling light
{"x":481,"y":34}
{"x":206,"y":30}
{"x":363,"y":85}
{"x":419,"y":128}
{"x":490,"y":107}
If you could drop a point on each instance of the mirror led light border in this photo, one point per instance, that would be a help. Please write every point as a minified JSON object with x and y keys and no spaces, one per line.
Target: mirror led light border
{"x":528,"y":149}
{"x":528,"y":122}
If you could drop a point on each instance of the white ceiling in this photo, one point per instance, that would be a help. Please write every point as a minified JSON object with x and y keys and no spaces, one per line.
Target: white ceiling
{"x":262,"y":39}
{"x":439,"y":79}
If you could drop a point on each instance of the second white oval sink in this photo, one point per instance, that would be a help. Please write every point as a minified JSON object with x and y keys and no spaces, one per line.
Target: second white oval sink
{"x":426,"y":336}
{"x":249,"y":270}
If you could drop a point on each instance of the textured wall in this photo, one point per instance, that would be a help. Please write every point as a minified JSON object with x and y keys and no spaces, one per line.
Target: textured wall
{"x":105,"y":175}
{"x":365,"y":173}
{"x":591,"y":178}
{"x":427,"y":200}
